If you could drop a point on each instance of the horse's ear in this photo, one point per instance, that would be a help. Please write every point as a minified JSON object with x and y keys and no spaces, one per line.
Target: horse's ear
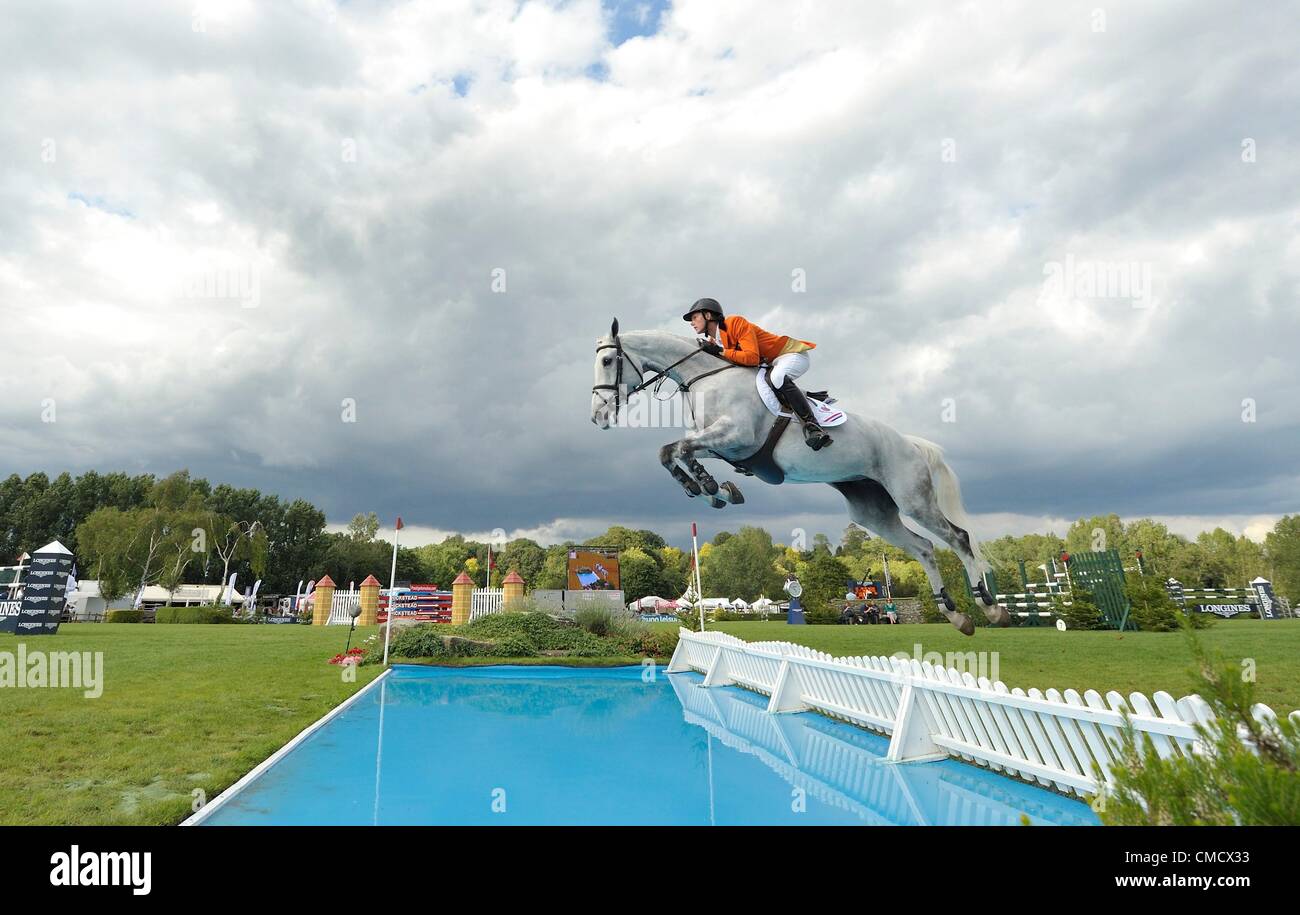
{"x":613,"y":328}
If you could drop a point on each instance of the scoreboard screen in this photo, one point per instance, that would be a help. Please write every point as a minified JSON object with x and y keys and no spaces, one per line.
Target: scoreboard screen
{"x":593,"y":569}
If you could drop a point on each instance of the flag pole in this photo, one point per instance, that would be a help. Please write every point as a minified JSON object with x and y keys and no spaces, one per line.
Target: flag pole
{"x":392,"y":591}
{"x":699,"y":590}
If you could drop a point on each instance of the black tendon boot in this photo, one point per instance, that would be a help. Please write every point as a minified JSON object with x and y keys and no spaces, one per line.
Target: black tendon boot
{"x":814,"y":436}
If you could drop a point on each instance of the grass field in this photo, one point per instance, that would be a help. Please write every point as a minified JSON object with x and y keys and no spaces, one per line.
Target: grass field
{"x":184,"y":707}
{"x":188,"y":707}
{"x":1044,"y":657}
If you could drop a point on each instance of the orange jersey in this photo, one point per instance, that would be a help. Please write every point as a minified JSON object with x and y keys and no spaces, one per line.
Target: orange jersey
{"x":745,"y":343}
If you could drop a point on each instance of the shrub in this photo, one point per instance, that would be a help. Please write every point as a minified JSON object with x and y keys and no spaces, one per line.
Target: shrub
{"x":532,"y":625}
{"x":124,"y":616}
{"x":653,"y":643}
{"x":1153,"y":610}
{"x":418,"y":642}
{"x":1081,"y":612}
{"x":689,"y":617}
{"x":513,"y":646}
{"x":596,"y":620}
{"x":825,"y":615}
{"x":526,"y":635}
{"x":194,"y":615}
{"x":1247,"y":774}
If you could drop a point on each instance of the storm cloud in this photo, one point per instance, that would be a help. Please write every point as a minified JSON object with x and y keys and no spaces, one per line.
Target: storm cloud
{"x":360,"y":252}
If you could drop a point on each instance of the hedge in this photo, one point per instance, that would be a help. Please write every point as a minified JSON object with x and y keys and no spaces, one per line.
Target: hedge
{"x":124,"y":616}
{"x":193,"y":615}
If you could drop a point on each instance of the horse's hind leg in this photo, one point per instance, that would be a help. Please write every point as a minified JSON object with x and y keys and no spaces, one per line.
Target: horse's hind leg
{"x":917,"y":499}
{"x":871,"y":506}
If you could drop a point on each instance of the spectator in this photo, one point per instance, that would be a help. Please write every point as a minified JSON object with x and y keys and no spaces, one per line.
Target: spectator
{"x":891,"y":612}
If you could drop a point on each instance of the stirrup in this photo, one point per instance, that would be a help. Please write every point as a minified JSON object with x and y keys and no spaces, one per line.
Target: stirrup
{"x":815,"y":437}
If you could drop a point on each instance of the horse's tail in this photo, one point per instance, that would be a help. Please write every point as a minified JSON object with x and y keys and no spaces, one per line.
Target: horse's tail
{"x":947,"y":490}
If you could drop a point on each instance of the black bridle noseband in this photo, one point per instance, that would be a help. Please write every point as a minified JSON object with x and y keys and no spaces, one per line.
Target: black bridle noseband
{"x":643,"y":382}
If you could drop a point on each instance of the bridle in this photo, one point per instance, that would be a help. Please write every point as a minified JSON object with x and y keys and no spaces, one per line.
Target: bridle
{"x":642,"y":381}
{"x":617,"y":386}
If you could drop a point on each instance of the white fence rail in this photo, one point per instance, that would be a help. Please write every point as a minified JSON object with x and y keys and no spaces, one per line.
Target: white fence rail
{"x":930,"y":712}
{"x":484,"y":601}
{"x":341,"y":607}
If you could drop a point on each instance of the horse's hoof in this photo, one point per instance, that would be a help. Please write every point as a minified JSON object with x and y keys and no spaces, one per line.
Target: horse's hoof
{"x":962,"y":623}
{"x":717,"y":503}
{"x":998,"y":616}
{"x":736,"y":497}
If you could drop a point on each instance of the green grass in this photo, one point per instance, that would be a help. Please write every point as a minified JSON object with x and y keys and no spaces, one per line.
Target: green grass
{"x":190,"y":707}
{"x":1044,"y":657}
{"x":183,"y":708}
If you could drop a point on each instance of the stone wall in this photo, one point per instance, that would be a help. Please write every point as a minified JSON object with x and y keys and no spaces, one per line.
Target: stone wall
{"x":909,"y":608}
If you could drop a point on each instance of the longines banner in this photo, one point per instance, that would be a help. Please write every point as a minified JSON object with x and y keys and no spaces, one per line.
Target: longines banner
{"x":1268,"y":605}
{"x":43,"y":597}
{"x":9,"y":615}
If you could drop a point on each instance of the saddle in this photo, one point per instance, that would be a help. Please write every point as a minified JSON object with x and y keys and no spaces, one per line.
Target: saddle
{"x":762,"y":463}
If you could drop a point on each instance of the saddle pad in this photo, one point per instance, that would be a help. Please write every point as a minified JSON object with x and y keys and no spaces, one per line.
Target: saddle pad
{"x":825,"y":416}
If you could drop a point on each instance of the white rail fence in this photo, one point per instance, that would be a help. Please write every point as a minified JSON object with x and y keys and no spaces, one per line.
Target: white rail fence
{"x":341,"y":607}
{"x":484,"y":601}
{"x":930,"y":712}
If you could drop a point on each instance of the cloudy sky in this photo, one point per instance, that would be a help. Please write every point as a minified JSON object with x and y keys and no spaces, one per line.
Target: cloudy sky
{"x":359,"y":252}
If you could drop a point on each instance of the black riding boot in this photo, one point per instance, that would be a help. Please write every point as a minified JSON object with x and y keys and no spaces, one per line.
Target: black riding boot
{"x":814,"y":436}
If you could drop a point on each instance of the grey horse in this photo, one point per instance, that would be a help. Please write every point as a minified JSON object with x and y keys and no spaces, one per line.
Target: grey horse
{"x":880,"y":472}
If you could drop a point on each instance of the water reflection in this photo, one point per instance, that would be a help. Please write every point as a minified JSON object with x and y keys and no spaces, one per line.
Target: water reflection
{"x":844,"y":767}
{"x":516,"y":746}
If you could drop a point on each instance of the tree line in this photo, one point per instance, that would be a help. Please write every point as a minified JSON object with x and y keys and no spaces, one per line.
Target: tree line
{"x":132,"y":530}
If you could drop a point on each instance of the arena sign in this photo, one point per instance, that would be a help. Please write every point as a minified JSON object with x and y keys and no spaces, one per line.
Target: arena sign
{"x":43,"y":588}
{"x":1225,"y":610}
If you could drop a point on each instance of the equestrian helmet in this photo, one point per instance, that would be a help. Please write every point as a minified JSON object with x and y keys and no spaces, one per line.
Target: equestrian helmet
{"x":708,"y":306}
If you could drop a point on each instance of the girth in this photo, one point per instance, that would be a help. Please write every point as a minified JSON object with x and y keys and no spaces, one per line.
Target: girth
{"x":762,"y":463}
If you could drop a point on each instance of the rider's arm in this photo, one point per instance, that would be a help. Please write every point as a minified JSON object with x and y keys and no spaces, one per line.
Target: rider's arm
{"x":744,"y":343}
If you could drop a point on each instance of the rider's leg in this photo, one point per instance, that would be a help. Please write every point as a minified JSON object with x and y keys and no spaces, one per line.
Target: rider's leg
{"x":789,"y":366}
{"x":785,"y":369}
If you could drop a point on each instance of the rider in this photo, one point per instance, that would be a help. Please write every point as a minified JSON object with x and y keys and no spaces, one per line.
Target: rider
{"x":744,"y":343}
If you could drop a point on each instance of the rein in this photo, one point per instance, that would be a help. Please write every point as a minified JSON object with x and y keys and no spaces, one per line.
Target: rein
{"x":643,"y":381}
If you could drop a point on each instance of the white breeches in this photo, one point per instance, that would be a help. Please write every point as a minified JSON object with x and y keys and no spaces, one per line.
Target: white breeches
{"x":790,"y":365}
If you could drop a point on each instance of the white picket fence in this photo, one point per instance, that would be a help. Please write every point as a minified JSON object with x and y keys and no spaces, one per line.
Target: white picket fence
{"x":484,"y":601}
{"x":931,"y":712}
{"x":341,"y":607}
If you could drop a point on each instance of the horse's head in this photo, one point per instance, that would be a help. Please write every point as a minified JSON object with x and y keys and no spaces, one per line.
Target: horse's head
{"x":615,"y":373}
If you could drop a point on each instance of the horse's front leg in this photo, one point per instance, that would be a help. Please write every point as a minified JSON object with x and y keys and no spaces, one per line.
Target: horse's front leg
{"x":668,"y":457}
{"x":719,"y":435}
